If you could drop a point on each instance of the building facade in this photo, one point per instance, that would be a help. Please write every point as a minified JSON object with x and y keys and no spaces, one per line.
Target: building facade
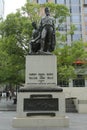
{"x":1,"y":8}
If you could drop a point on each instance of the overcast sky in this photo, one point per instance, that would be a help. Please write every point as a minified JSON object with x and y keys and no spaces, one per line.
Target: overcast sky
{"x":12,"y":5}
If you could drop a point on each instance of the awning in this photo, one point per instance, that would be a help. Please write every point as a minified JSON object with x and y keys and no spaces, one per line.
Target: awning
{"x":80,"y":62}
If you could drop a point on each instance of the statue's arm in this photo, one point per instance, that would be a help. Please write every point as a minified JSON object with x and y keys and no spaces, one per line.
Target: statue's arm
{"x":53,"y":24}
{"x":54,"y":31}
{"x":37,"y":38}
{"x":40,"y":26}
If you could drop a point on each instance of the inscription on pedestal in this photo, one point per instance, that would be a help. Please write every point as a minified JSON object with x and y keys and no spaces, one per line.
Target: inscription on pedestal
{"x":41,"y":70}
{"x":41,"y":104}
{"x":41,"y":78}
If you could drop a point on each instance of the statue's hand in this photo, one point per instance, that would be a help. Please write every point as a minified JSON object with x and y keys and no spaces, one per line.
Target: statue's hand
{"x":32,"y":40}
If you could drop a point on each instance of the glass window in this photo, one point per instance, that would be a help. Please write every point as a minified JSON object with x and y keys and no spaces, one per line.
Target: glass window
{"x":42,"y":1}
{"x":63,"y":83}
{"x":85,"y":9}
{"x":79,"y":81}
{"x":76,"y":37}
{"x":85,"y":1}
{"x":78,"y":27}
{"x":86,"y":28}
{"x":86,"y":37}
{"x":67,"y":1}
{"x":75,"y":9}
{"x":75,"y":18}
{"x":60,"y":1}
{"x":85,"y":18}
{"x":62,"y":27}
{"x":75,"y":2}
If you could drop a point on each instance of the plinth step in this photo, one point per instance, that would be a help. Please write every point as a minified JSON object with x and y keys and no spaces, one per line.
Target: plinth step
{"x":41,"y":114}
{"x":42,"y":121}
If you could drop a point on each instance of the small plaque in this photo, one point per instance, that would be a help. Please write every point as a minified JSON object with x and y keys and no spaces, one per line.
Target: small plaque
{"x":41,"y":104}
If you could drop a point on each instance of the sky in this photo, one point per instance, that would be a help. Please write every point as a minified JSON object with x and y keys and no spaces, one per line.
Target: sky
{"x":12,"y":5}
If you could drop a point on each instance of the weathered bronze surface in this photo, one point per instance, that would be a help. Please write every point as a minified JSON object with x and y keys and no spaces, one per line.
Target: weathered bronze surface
{"x":43,"y":37}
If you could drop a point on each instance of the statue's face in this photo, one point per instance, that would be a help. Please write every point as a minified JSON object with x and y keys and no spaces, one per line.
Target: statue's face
{"x":47,"y":11}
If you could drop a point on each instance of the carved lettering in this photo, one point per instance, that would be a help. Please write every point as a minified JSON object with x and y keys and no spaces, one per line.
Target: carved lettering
{"x":49,"y":77}
{"x":50,"y":74}
{"x":32,"y":74}
{"x":32,"y":77}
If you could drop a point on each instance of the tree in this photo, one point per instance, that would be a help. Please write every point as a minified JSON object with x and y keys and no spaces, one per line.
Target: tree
{"x":16,"y":31}
{"x":66,"y":57}
{"x":11,"y":64}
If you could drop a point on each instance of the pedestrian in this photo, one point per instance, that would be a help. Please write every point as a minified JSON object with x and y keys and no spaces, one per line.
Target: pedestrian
{"x":10,"y":95}
{"x":7,"y":95}
{"x":0,"y":95}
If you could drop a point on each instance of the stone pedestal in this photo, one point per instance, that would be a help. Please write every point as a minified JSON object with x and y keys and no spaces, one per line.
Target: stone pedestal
{"x":41,"y":102}
{"x":41,"y":70}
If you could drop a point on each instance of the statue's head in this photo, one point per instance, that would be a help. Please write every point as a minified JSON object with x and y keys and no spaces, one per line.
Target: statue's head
{"x":34,"y":24}
{"x":47,"y":11}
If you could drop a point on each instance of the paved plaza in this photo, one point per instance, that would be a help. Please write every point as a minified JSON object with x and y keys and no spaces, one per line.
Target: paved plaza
{"x":7,"y":105}
{"x":77,"y":122}
{"x":7,"y":113}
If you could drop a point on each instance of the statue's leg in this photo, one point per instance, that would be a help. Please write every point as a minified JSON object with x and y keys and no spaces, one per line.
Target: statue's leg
{"x":43,"y":35}
{"x":32,"y":48}
{"x":50,"y":32}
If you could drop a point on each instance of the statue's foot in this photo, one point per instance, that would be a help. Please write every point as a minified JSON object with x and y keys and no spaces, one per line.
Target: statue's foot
{"x":41,"y":50}
{"x":32,"y":53}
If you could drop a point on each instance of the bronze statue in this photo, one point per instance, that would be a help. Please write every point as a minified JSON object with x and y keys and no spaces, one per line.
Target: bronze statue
{"x":35,"y":40}
{"x":47,"y":27}
{"x":43,"y":38}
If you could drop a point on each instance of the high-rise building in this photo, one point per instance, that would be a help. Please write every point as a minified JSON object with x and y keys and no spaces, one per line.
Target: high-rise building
{"x":1,"y":8}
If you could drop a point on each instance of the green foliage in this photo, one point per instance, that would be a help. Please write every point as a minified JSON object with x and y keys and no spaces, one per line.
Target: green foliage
{"x":66,"y":72}
{"x":58,"y":11}
{"x":11,"y":64}
{"x":16,"y":31}
{"x":79,"y":50}
{"x":72,"y":29}
{"x":66,"y":56}
{"x":31,"y":11}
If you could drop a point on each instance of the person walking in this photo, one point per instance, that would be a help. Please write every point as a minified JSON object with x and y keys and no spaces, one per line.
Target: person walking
{"x":0,"y":95}
{"x":10,"y":95}
{"x":7,"y":95}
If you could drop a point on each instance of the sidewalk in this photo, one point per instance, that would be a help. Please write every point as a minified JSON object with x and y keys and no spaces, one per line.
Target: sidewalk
{"x":7,"y":105}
